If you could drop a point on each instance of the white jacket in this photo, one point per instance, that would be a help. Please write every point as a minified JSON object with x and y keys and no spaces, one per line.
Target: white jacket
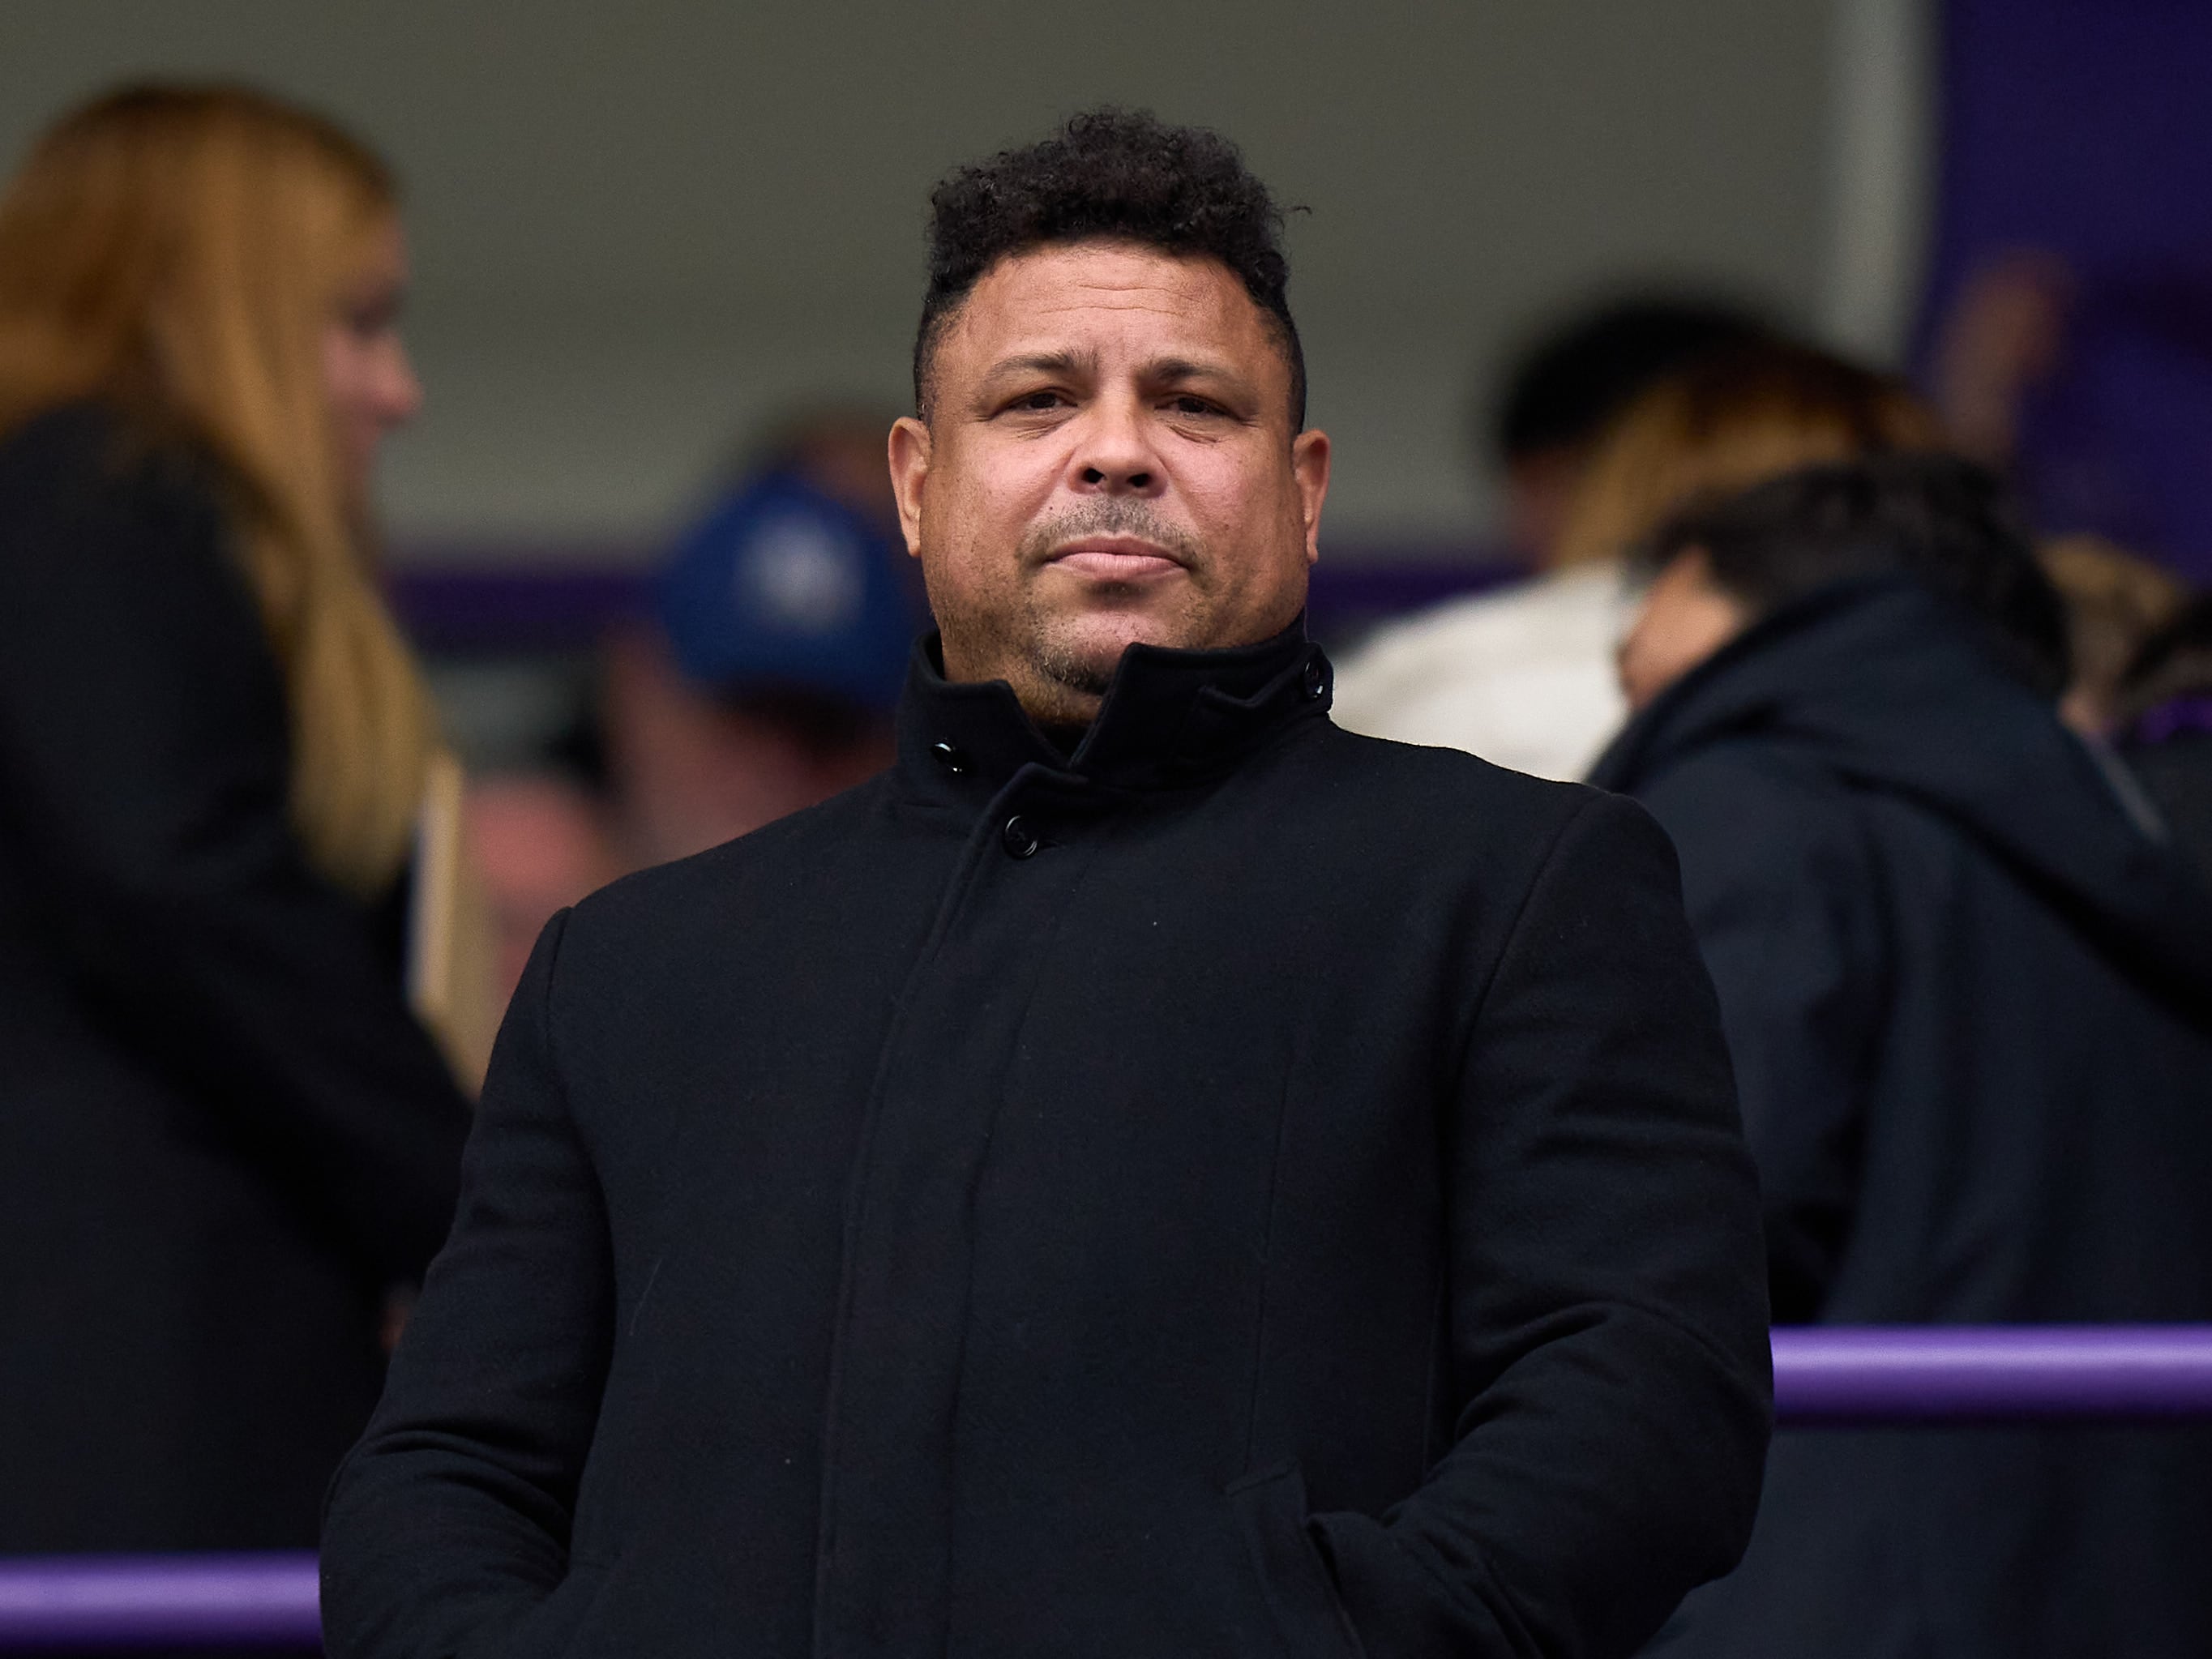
{"x":1524,"y":677}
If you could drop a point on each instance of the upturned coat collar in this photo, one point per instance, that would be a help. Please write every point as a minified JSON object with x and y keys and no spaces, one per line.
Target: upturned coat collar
{"x":1169,"y":719}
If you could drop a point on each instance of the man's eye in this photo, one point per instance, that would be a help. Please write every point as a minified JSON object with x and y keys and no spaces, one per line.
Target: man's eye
{"x":1191,"y":404}
{"x":1038,"y":400}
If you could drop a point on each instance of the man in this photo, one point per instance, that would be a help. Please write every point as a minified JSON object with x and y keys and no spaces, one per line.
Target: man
{"x":1150,"y":1174}
{"x":785,"y":617}
{"x":1568,"y":387}
{"x":1522,"y":675}
{"x":765,"y":680}
{"x":1970,"y":1003}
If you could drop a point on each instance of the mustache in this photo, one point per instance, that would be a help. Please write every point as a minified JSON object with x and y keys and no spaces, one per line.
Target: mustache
{"x":1109,"y":515}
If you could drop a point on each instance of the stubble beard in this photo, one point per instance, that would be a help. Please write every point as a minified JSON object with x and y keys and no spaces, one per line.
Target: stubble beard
{"x":1074,"y":665}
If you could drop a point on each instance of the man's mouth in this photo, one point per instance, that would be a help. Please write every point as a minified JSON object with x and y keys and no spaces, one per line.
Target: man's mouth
{"x":1115,"y":559}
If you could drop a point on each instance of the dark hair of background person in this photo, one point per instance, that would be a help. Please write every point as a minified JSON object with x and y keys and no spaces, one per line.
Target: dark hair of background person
{"x":1110,"y":174}
{"x":1945,"y":521}
{"x":1568,"y":384}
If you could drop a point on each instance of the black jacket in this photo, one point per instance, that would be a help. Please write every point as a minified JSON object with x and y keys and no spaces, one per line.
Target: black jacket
{"x":2177,"y":774}
{"x":1242,"y":1189}
{"x":222,"y":1135}
{"x":1968,"y":1001}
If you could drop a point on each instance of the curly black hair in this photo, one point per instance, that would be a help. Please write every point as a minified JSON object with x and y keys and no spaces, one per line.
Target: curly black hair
{"x":1123,"y":174}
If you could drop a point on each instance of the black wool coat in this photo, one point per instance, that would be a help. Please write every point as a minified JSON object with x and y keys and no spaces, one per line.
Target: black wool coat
{"x":221,"y":1134}
{"x":1971,"y":1007}
{"x":1241,"y":1188}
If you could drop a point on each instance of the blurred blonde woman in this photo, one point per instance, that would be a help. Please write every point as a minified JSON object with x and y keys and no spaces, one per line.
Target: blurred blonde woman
{"x":1526,"y":678}
{"x":224,"y":1139}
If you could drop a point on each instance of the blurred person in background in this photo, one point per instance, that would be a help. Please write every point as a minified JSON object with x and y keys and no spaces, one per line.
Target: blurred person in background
{"x":1970,"y":1003}
{"x":2162,"y":727}
{"x":1529,"y":682}
{"x":542,"y":834}
{"x":766,"y":679}
{"x":2086,"y":376}
{"x":224,"y":1138}
{"x":1523,"y":676}
{"x":1572,"y":385}
{"x":2002,"y":338}
{"x":762,"y":681}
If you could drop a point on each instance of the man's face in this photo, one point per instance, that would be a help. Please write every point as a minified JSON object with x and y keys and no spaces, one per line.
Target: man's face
{"x":1108,"y":460}
{"x":1685,"y":618}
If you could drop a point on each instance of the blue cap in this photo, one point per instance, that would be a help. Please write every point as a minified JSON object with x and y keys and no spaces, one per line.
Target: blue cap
{"x":784,"y":587}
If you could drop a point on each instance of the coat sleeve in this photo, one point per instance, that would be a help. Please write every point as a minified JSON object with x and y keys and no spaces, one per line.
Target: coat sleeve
{"x":1607,"y":1311}
{"x":1783,"y":895}
{"x":448,"y":1526}
{"x":143,"y":779}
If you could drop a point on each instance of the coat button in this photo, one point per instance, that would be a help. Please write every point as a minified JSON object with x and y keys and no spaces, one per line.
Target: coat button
{"x":951,"y":759}
{"x":1316,"y":678}
{"x":1019,"y":839}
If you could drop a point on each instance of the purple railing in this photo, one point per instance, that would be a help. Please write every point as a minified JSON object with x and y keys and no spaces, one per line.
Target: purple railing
{"x":159,"y":1602}
{"x":1827,"y":1374}
{"x":1823,"y":1375}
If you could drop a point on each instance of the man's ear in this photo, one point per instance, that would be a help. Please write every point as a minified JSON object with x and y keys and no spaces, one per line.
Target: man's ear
{"x":910,"y":457}
{"x":1309,"y":469}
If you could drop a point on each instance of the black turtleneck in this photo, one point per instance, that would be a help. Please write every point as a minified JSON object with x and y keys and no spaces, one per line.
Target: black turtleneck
{"x":1168,"y":717}
{"x":1066,"y":736}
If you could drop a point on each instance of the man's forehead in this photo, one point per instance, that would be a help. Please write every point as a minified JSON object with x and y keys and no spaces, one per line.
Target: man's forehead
{"x":1032,"y":300}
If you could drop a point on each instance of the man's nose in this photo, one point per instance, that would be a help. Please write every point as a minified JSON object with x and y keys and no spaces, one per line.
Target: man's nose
{"x":1113,"y":455}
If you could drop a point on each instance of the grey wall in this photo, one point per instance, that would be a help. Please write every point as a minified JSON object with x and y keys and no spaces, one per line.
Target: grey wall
{"x":641,"y":227}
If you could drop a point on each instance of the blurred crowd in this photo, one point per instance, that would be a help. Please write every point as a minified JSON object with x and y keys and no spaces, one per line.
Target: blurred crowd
{"x":1940,"y":783}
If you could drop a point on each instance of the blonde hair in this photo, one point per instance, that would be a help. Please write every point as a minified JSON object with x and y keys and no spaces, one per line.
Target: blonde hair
{"x":1726,"y":424}
{"x":177,"y":251}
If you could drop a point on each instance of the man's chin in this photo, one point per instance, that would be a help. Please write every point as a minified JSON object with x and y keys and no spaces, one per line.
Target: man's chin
{"x":1084,"y":653}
